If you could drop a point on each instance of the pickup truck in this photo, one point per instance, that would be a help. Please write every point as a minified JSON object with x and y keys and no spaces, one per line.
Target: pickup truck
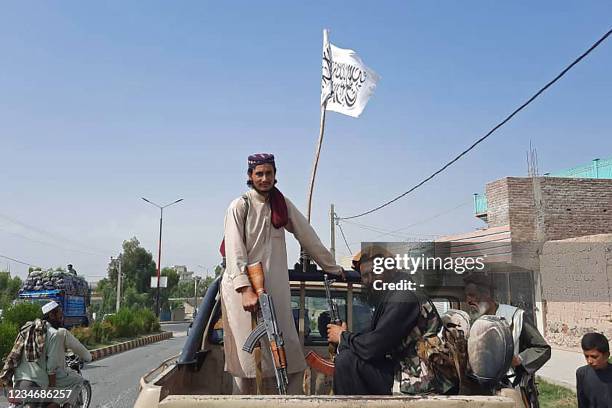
{"x":196,"y":378}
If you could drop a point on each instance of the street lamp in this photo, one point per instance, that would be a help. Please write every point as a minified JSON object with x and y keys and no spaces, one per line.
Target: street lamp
{"x":161,"y":216}
{"x":196,"y":281}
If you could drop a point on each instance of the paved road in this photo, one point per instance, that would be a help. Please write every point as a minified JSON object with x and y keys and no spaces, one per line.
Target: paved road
{"x":175,"y":327}
{"x":561,"y":368}
{"x":114,"y":379}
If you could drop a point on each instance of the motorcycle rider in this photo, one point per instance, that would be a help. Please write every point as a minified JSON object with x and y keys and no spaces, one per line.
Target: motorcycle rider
{"x":26,"y":364}
{"x":64,"y":378}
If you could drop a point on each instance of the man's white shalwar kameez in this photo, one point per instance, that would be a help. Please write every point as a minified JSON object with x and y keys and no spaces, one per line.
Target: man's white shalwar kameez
{"x":264,"y":244}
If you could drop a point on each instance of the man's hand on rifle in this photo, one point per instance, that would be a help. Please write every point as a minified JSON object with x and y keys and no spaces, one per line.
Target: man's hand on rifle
{"x":516,"y":361}
{"x":334,"y":332}
{"x":249,"y":299}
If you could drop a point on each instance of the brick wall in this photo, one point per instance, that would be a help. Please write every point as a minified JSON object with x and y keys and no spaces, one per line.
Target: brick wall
{"x":569,"y":207}
{"x":576,"y":207}
{"x":497,"y":203}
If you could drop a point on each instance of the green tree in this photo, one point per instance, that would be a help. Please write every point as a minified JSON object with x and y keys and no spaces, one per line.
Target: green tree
{"x":165,"y":293}
{"x":173,"y":277}
{"x":9,"y":287}
{"x":137,"y":267}
{"x":218,"y":270}
{"x":134,"y":300}
{"x":108,"y":292}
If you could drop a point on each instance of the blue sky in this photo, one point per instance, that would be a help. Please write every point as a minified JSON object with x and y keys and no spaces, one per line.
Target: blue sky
{"x":102,"y":103}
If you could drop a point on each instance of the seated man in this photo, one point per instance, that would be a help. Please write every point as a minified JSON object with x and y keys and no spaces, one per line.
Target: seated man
{"x":531,"y":351}
{"x":64,"y":378}
{"x":594,"y":380}
{"x":366,"y":362}
{"x":27,"y":363}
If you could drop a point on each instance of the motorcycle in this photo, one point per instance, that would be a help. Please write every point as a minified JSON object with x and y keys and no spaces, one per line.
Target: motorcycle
{"x":80,"y":397}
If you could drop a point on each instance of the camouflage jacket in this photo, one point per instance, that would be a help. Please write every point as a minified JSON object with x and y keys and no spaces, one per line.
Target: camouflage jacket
{"x":426,"y":358}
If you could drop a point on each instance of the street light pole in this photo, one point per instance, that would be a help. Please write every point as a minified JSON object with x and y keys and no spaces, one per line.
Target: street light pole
{"x":159,"y":246}
{"x":118,"y":302}
{"x":196,"y":280}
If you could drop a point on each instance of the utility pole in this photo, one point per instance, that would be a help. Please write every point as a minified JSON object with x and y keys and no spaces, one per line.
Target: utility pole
{"x":119,"y":276}
{"x":332,"y":241}
{"x":196,"y":280}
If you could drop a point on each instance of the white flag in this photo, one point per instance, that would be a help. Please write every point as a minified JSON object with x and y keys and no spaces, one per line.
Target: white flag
{"x":346,"y":83}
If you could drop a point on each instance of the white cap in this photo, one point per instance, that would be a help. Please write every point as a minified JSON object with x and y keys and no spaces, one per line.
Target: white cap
{"x":49,"y":307}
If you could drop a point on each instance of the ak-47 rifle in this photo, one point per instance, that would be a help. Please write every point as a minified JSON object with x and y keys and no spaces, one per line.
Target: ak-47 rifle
{"x":313,"y":359}
{"x":267,"y":324}
{"x":528,"y":387}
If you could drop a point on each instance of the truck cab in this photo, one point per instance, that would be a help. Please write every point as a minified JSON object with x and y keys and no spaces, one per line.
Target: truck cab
{"x":196,"y":377}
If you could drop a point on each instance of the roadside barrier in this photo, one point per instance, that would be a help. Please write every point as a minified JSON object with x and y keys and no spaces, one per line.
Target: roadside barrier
{"x":102,"y":352}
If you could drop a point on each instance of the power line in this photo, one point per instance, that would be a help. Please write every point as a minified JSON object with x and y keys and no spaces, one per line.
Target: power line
{"x":48,"y":243}
{"x":51,"y":235}
{"x":18,"y":261}
{"x":377,"y":230}
{"x":394,"y":233}
{"x":433,"y":217}
{"x":344,"y":238}
{"x":499,"y":125}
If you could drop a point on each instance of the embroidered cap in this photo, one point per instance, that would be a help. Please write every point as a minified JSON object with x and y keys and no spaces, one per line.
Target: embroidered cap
{"x":48,"y":307}
{"x":260,"y":158}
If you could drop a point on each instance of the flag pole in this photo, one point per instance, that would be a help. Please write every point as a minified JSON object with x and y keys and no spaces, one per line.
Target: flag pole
{"x":316,"y":160}
{"x":304,"y":255}
{"x":326,"y":58}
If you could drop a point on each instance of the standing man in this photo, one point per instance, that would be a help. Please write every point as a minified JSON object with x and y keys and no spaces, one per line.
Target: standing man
{"x":531,"y":351}
{"x":71,"y":270}
{"x":594,"y":380}
{"x":255,"y":227}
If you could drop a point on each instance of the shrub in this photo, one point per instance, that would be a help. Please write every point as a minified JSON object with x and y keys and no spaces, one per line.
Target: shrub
{"x":139,"y":324}
{"x":8,"y":334}
{"x":21,"y":313}
{"x":84,"y":335}
{"x":102,"y":332}
{"x":126,"y":323}
{"x":149,"y":321}
{"x":123,"y":322}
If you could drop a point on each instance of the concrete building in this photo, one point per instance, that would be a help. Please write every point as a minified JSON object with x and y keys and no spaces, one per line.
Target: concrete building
{"x":527,"y":220}
{"x":183,"y":273}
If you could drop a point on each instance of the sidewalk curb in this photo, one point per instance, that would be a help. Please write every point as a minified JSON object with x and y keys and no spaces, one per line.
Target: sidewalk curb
{"x":97,"y":354}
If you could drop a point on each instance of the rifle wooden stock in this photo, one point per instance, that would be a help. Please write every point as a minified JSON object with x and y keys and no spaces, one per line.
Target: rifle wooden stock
{"x":278,"y":353}
{"x":266,"y":325}
{"x":320,"y":364}
{"x":256,"y":277}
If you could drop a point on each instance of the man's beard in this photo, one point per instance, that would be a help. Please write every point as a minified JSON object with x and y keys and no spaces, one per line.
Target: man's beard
{"x":372,"y":296}
{"x":56,"y":324}
{"x":476,"y":313}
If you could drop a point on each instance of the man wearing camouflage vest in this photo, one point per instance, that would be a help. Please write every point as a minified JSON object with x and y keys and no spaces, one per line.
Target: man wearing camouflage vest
{"x":367,"y":362}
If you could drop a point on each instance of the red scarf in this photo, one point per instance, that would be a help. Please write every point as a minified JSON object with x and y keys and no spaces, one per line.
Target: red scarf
{"x":280,"y":215}
{"x":278,"y":205}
